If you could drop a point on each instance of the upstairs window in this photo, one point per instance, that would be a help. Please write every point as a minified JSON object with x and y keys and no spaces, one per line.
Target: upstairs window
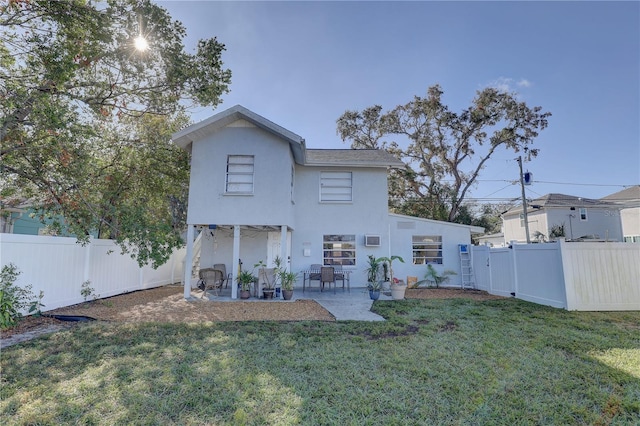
{"x":583,"y":214}
{"x":336,"y":186}
{"x":339,"y":250}
{"x":239,"y":174}
{"x":427,"y":249}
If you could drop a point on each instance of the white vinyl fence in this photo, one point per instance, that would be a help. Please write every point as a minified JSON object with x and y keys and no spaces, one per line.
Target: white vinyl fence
{"x":574,"y":276}
{"x":59,"y":266}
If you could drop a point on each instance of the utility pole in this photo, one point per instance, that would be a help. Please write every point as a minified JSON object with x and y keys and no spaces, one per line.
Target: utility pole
{"x":524,"y":202}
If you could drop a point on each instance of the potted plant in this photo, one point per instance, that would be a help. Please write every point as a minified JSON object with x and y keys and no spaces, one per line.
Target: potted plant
{"x":286,"y":281}
{"x":397,"y":286}
{"x":269,"y":277}
{"x":373,"y":277}
{"x":245,"y":279}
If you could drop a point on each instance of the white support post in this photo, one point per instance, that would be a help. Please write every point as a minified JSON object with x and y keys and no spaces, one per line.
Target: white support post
{"x":283,"y":246}
{"x":188,"y":261}
{"x":236,"y":261}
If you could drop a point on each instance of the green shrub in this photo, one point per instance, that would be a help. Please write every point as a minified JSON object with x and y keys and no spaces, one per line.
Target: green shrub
{"x":13,"y":299}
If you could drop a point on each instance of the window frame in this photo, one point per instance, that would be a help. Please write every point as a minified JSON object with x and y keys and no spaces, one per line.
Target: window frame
{"x":229,"y":174}
{"x":349,"y":240}
{"x":424,"y":247}
{"x":330,"y":179}
{"x":583,"y":214}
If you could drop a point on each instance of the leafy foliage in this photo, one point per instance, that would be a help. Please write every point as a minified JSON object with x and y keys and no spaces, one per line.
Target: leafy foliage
{"x":87,"y":119}
{"x":14,"y":299}
{"x":446,"y":151}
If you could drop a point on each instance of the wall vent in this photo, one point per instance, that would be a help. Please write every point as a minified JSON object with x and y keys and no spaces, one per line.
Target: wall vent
{"x":372,"y":240}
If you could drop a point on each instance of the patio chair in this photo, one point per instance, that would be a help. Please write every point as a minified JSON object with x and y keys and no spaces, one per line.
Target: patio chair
{"x":210,"y":279}
{"x":340,"y":276}
{"x":314,"y":274}
{"x":226,"y":277}
{"x":327,"y":275}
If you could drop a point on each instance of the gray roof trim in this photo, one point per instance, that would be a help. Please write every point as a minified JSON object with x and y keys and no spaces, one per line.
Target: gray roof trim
{"x":185,"y":137}
{"x":472,"y":229}
{"x":351,"y":158}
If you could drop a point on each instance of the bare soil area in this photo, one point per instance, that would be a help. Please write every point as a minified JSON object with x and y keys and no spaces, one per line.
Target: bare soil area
{"x":167,"y":304}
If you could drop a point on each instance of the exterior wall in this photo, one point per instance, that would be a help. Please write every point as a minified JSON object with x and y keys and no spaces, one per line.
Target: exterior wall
{"x":403,"y":228}
{"x":601,"y":222}
{"x":631,"y":223}
{"x":366,"y":214}
{"x":270,"y":203}
{"x":58,"y":266}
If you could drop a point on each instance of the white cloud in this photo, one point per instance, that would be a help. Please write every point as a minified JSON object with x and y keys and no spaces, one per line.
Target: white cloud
{"x":524,"y":83}
{"x":507,"y":84}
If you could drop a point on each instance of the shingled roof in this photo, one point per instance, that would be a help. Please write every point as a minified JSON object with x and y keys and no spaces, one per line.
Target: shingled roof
{"x":628,"y":197}
{"x":308,"y":157}
{"x":562,"y":200}
{"x":351,"y":158}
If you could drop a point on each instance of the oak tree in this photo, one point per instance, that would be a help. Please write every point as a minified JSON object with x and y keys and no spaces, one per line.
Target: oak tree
{"x":90,"y":94}
{"x":444,"y":152}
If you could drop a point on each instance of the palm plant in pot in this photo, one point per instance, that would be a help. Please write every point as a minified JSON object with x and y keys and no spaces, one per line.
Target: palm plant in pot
{"x":373,"y":277}
{"x":246,"y":279}
{"x":398,"y":287}
{"x":286,"y":281}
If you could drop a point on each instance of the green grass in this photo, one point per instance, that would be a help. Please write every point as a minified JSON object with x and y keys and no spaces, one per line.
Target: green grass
{"x":455,"y":362}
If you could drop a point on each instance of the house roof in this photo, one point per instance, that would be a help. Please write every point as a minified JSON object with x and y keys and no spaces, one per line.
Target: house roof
{"x":554,"y":200}
{"x":472,"y":229}
{"x":185,"y":137}
{"x":311,"y":157}
{"x":351,"y":158}
{"x":629,"y":196}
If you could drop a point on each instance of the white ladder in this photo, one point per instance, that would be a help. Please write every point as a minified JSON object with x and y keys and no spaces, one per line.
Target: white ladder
{"x":466,"y":266}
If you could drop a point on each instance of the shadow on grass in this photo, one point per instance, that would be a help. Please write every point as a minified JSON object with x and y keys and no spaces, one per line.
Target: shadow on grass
{"x":432,"y":361}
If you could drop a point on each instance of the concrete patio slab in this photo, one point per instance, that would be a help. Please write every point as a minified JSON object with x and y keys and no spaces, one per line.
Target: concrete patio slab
{"x":343,"y":305}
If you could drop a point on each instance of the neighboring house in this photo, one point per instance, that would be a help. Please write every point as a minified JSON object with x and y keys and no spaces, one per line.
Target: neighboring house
{"x":21,"y":219}
{"x":577,"y":218}
{"x":257,"y":192}
{"x":629,"y":200}
{"x":491,"y":240}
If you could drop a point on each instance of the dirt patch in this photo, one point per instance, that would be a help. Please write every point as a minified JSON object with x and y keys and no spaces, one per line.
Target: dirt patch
{"x":167,"y":304}
{"x":448,"y":293}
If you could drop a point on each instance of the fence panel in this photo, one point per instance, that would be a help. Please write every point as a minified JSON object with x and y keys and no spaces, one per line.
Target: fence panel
{"x":602,"y":276}
{"x":59,"y":266}
{"x":480,"y":258}
{"x":538,"y":274}
{"x":502,"y":272}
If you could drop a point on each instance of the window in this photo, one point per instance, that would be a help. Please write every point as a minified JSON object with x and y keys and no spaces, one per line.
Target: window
{"x":335,"y":186}
{"x":583,"y":214}
{"x":339,"y":250}
{"x":427,"y":249}
{"x":239,"y":174}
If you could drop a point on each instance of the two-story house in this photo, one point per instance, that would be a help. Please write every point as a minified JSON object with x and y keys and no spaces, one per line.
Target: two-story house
{"x":256,"y":192}
{"x":576,"y":218}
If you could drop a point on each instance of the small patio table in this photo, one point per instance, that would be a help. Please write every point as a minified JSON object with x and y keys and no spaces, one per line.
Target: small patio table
{"x":306,"y":276}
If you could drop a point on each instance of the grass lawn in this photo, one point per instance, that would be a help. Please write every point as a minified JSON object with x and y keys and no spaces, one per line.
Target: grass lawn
{"x":433,"y":362}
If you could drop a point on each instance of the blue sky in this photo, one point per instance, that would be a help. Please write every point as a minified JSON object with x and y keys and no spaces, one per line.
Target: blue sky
{"x":302,"y":64}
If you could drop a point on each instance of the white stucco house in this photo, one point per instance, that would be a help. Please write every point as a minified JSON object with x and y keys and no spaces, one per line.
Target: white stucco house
{"x":256,"y":192}
{"x":581,"y":219}
{"x":629,"y":201}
